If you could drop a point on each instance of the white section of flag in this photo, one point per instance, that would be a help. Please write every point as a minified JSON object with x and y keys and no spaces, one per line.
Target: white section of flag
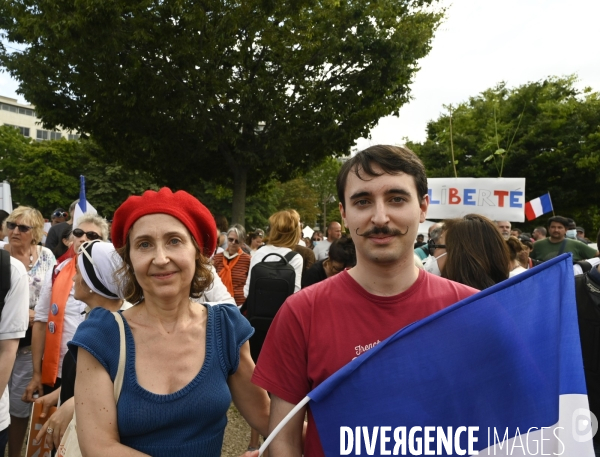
{"x":536,"y":206}
{"x":78,"y":212}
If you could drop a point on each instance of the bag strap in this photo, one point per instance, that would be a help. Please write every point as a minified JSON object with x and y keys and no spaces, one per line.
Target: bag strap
{"x":290,"y":255}
{"x":562,"y":247}
{"x":5,"y":275}
{"x":118,"y":384}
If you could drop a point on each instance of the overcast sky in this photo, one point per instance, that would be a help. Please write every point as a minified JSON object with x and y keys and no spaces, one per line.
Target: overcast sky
{"x":481,"y":43}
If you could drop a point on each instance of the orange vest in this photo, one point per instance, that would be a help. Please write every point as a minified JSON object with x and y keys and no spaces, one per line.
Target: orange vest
{"x":56,"y":316}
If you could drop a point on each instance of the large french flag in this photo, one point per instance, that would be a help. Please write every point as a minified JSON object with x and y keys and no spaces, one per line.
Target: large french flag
{"x":83,"y":206}
{"x":499,"y":373}
{"x":538,"y":206}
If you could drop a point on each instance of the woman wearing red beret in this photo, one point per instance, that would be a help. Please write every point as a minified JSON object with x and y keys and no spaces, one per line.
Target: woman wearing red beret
{"x":185,"y":361}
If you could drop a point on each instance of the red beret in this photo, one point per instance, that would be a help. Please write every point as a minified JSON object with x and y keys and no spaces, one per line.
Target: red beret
{"x":181,"y":205}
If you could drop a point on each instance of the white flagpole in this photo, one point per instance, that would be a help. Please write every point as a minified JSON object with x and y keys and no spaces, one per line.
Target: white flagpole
{"x":282,"y":424}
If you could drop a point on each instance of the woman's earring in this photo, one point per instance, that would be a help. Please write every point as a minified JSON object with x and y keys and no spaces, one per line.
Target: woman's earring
{"x":91,"y":291}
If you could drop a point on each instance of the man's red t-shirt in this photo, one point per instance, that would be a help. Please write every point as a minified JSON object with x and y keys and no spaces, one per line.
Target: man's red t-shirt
{"x":323,"y":327}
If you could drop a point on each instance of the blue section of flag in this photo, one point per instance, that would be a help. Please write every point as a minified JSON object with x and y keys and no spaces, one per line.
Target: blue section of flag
{"x":546,"y":203}
{"x":500,"y":358}
{"x":82,"y":199}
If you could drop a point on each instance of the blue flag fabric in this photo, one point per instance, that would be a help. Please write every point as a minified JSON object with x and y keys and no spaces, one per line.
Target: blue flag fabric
{"x":82,"y":199}
{"x":495,"y":367}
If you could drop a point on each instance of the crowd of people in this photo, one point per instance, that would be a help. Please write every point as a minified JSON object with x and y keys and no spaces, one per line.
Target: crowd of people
{"x":147,"y":330}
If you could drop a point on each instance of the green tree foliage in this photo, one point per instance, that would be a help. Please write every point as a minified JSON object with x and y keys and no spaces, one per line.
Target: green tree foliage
{"x":45,"y":175}
{"x":305,"y":194}
{"x":235,"y":93}
{"x":217,"y":198}
{"x":323,"y":180}
{"x":546,"y":131}
{"x":297,"y":194}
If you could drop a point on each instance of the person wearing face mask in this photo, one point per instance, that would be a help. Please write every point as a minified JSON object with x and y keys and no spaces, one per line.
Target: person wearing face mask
{"x":437,"y":249}
{"x":558,"y":243}
{"x":571,"y":229}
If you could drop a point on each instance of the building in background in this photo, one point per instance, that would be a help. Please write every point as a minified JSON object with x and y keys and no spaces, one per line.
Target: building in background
{"x":23,"y":117}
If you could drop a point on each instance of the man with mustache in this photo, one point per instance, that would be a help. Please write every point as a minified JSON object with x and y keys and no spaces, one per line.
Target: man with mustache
{"x":383,"y":198}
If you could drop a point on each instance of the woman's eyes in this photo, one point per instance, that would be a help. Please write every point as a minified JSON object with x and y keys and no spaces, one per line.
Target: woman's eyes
{"x":147,"y":244}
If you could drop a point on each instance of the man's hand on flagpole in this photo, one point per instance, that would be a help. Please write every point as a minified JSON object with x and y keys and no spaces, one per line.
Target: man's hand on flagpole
{"x":250,"y":454}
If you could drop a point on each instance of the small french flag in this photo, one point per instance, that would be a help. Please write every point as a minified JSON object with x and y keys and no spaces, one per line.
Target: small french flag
{"x":538,"y":206}
{"x":83,"y":206}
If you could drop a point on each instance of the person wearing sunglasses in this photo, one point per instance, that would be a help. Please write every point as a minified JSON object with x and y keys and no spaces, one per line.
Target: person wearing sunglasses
{"x":58,"y":215}
{"x":58,"y":314}
{"x":95,"y":285}
{"x":25,"y":230}
{"x":53,"y":239}
{"x":233,"y":264}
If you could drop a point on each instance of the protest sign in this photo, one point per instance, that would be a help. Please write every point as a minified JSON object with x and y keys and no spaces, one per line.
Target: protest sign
{"x":496,"y":198}
{"x":35,"y":425}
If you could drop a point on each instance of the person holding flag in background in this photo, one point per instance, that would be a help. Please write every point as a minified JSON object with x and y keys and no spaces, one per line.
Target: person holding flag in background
{"x":83,"y":206}
{"x":383,"y":198}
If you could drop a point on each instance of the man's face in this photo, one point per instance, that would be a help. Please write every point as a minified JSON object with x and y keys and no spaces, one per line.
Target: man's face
{"x":504,"y":229}
{"x":383,"y":216}
{"x":580,"y":234}
{"x":334,"y":232}
{"x":557,"y":232}
{"x":537,"y":235}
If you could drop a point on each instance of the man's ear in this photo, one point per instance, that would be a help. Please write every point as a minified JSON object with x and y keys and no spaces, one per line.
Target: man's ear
{"x":424,"y":206}
{"x":343,"y":214}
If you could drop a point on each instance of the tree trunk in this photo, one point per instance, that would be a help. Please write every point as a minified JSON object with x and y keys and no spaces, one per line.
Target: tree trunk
{"x":238,"y":211}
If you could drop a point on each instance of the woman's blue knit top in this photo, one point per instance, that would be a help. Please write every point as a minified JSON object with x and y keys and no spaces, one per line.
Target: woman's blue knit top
{"x":189,"y":422}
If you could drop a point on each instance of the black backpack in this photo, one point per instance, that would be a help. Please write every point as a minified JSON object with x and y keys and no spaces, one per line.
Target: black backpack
{"x":587,"y":293}
{"x":4,"y":277}
{"x":270,"y":284}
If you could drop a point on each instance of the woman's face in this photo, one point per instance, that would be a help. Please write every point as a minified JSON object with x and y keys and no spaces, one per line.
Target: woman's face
{"x":82,"y":290}
{"x":317,"y":238}
{"x":163,"y":257}
{"x":256,"y":243}
{"x":18,"y":238}
{"x":86,"y":227}
{"x":233,"y":242}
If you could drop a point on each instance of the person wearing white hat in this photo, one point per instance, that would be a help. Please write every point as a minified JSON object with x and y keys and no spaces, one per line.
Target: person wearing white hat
{"x":96,"y":286}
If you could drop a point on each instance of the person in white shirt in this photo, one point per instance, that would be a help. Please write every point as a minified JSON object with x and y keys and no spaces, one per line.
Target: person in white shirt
{"x":13,"y":325}
{"x":89,"y":227}
{"x":334,"y":232}
{"x":283,"y":236}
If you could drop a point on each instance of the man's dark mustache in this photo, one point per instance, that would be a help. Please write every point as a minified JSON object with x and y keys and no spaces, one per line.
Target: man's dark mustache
{"x":385,"y":230}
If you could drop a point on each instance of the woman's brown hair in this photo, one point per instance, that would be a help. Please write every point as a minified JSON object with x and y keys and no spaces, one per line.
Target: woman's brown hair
{"x":284,"y":229}
{"x":131,"y":289}
{"x":514,"y":247}
{"x":477,"y":254}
